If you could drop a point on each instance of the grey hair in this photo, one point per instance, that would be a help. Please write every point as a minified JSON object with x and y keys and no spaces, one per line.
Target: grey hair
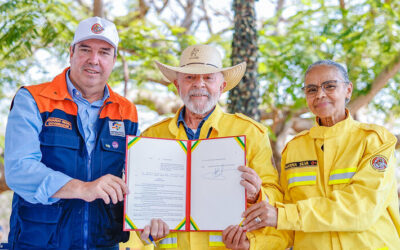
{"x":338,"y":66}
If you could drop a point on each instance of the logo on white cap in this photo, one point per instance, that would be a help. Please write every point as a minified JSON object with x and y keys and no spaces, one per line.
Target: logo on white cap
{"x":97,"y":28}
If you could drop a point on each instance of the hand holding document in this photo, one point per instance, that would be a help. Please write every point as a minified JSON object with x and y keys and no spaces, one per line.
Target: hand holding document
{"x":190,"y":185}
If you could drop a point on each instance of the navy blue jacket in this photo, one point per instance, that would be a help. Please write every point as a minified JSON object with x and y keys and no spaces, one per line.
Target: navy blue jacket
{"x":74,"y":223}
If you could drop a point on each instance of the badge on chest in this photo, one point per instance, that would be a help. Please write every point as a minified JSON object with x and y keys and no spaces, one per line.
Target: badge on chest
{"x":117,"y":128}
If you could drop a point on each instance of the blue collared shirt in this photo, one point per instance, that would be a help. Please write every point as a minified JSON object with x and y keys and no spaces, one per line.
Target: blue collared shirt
{"x":189,"y":132}
{"x":31,"y":179}
{"x":87,"y":113}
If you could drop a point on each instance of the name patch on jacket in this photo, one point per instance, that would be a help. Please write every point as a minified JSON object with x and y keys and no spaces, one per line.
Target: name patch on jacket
{"x":117,"y":128}
{"x":301,"y":164}
{"x":58,"y":122}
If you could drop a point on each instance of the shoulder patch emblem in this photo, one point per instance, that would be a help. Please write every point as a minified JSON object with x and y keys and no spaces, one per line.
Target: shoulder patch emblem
{"x":58,"y":122}
{"x":117,"y":128}
{"x":379,"y":163}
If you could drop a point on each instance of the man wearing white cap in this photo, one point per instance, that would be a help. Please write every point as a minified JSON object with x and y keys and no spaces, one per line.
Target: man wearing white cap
{"x":64,"y":152}
{"x":200,"y":80}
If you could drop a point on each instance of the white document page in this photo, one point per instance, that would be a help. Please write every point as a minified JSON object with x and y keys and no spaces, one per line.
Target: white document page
{"x":217,"y":198}
{"x":157,"y":182}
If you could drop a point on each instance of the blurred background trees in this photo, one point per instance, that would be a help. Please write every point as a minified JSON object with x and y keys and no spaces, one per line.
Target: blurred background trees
{"x":278,"y":39}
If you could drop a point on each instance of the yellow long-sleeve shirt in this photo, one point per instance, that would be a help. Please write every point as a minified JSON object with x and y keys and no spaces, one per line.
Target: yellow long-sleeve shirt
{"x":340,"y":189}
{"x":258,"y":155}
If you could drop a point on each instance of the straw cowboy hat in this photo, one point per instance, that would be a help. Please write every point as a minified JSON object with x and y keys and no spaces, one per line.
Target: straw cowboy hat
{"x":203,"y":59}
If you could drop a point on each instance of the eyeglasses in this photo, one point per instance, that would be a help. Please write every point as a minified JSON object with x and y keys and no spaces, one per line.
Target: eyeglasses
{"x":328,"y":87}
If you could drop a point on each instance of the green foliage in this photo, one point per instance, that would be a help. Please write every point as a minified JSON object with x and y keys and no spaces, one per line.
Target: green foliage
{"x":29,"y":26}
{"x":364,"y":36}
{"x":26,"y":26}
{"x":143,"y":42}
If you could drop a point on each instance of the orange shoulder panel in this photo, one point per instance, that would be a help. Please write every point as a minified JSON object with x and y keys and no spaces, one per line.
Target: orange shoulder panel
{"x":120,"y":109}
{"x":46,"y":104}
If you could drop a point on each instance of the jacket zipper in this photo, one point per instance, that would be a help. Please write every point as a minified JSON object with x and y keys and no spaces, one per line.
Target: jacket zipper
{"x":88,"y":176}
{"x":86,"y":214}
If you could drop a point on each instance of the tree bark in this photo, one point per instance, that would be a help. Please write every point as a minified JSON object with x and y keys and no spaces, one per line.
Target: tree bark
{"x":159,"y":9}
{"x":379,"y":82}
{"x":188,"y":20}
{"x":206,"y":17}
{"x":3,"y":185}
{"x":126,"y":73}
{"x":245,"y":97}
{"x":342,"y":4}
{"x":143,"y":8}
{"x":98,"y":8}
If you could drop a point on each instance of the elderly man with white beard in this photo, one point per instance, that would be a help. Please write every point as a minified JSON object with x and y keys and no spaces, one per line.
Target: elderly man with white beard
{"x":200,"y":80}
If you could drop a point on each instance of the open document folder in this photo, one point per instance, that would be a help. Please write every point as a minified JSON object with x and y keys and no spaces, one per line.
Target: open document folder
{"x":191,"y":185}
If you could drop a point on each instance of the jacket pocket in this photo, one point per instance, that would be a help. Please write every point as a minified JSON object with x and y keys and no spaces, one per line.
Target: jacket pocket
{"x":60,"y":152}
{"x":39,"y":226}
{"x":112,"y":156}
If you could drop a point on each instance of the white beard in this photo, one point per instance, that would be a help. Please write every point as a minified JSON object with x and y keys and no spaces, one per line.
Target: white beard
{"x":200,"y":108}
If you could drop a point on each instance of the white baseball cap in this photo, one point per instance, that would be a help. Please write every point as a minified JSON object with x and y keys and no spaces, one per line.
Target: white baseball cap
{"x":96,"y":28}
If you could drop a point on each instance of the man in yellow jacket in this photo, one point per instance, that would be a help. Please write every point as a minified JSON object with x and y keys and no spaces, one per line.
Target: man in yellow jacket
{"x":200,"y":80}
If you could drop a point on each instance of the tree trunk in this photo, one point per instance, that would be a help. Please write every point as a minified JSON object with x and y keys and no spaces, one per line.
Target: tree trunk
{"x":126,"y":73}
{"x":187,"y":22}
{"x":245,"y":97}
{"x":3,"y":185}
{"x":98,"y":9}
{"x":379,"y":83}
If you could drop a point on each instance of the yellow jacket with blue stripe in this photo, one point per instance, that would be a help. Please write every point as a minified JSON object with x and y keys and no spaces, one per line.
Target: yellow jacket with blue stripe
{"x":340,"y":189}
{"x":258,"y":154}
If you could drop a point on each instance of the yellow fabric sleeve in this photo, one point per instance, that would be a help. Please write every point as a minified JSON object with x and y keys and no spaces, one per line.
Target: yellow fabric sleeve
{"x":355,"y":207}
{"x":267,"y":238}
{"x":135,"y":243}
{"x":260,"y":155}
{"x":283,"y":220}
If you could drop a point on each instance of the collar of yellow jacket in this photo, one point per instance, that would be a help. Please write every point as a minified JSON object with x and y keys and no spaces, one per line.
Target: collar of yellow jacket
{"x":212,"y":121}
{"x":321,"y":132}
